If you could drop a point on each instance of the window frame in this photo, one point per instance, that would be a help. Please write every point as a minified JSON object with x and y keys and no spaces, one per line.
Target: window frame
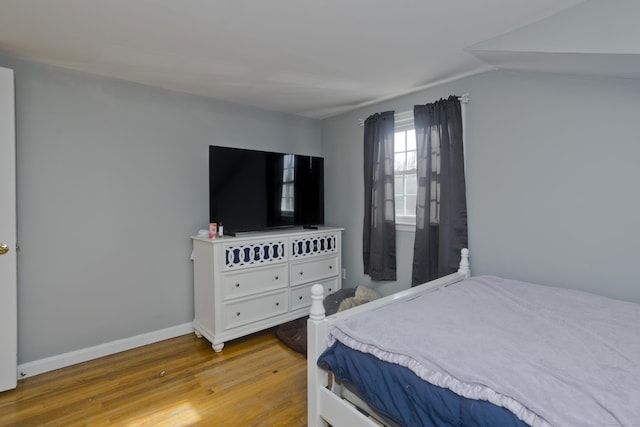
{"x":403,"y":123}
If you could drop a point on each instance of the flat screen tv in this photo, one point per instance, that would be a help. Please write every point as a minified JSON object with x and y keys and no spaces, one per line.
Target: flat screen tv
{"x":252,"y":190}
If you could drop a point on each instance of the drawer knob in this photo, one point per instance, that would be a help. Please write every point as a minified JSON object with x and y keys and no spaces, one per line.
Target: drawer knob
{"x":300,"y":297}
{"x":301,"y":273}
{"x":237,"y":285}
{"x":330,"y":289}
{"x":277,"y":304}
{"x":277,"y":277}
{"x":331,"y":267}
{"x":238,"y":313}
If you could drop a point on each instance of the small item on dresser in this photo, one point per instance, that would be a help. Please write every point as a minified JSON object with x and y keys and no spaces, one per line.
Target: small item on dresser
{"x":213,"y":230}
{"x":220,"y":230}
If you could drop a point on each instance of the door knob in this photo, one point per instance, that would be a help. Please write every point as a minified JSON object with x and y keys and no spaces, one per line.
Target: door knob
{"x":3,"y":249}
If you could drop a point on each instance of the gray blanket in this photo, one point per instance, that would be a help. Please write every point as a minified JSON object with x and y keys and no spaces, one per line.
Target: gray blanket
{"x":551,"y":356}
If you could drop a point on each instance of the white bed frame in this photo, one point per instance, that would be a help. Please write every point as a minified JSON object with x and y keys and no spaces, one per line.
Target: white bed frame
{"x":324,"y":405}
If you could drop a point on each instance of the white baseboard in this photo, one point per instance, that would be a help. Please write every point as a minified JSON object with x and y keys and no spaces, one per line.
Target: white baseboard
{"x":41,"y":366}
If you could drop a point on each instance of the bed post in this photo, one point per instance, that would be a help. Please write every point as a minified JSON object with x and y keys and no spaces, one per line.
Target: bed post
{"x":316,"y":343}
{"x":464,"y":263}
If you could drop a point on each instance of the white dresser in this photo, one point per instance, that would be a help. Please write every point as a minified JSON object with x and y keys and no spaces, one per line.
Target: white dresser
{"x":254,"y":281}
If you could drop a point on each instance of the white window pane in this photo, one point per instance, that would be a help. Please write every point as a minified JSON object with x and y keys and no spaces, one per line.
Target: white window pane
{"x":398,"y":185}
{"x":411,"y":139}
{"x":410,"y":206}
{"x":411,"y":160}
{"x":399,"y":205}
{"x":399,"y":142}
{"x":412,"y":184}
{"x":400,"y":160}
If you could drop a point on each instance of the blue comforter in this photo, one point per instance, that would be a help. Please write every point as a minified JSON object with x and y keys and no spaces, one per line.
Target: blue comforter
{"x":399,"y":394}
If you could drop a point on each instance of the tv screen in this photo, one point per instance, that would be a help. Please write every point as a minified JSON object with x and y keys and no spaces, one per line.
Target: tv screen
{"x":253,"y":190}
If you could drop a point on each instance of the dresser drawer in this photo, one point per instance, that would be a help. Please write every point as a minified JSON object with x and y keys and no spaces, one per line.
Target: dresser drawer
{"x":313,"y":270}
{"x":248,"y":282}
{"x":239,"y":313}
{"x":301,"y":295}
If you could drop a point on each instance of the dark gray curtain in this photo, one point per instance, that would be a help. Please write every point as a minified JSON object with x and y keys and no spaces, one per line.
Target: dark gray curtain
{"x":379,"y":227}
{"x":441,"y":207}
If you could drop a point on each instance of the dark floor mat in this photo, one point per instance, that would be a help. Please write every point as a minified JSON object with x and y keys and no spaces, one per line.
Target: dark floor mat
{"x":294,"y":334}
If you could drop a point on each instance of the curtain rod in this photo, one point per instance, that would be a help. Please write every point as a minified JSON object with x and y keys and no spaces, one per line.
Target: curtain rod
{"x":464,"y":99}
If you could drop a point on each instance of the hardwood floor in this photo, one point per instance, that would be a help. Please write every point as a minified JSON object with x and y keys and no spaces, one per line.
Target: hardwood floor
{"x":254,"y":381}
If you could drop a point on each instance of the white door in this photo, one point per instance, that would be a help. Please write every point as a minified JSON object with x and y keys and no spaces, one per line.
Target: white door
{"x":8,"y":261}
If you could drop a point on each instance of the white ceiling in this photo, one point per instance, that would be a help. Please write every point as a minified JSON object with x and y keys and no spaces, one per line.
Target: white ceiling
{"x":313,"y":59}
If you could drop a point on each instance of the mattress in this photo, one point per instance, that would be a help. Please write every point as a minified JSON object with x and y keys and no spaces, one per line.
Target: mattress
{"x":549,"y":356}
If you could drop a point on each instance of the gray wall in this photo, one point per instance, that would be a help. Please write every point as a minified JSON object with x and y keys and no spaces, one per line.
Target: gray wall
{"x":552,"y":175}
{"x":112,"y":180}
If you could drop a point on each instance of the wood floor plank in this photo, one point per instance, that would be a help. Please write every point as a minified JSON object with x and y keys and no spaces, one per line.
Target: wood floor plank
{"x":254,"y":381}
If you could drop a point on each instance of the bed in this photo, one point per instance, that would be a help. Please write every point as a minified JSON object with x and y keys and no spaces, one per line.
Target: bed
{"x":475,"y":352}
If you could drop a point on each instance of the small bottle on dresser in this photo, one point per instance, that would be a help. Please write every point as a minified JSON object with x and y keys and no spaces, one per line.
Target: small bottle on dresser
{"x":220,"y":230}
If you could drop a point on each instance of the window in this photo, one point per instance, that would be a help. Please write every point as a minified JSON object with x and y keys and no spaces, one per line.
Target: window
{"x":405,"y":170}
